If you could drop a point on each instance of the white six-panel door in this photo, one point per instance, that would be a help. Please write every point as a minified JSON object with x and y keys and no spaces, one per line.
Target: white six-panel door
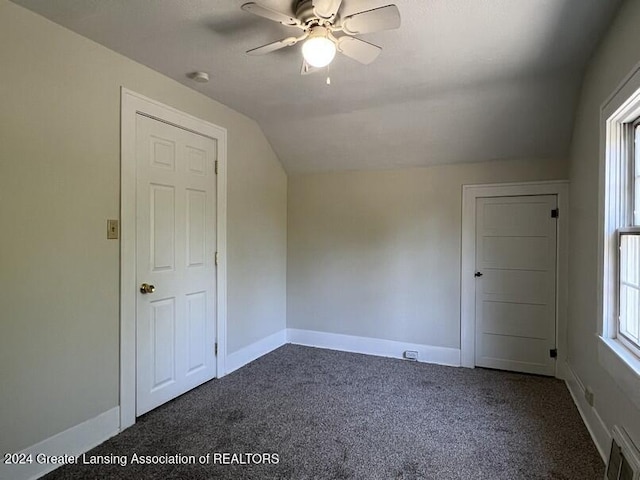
{"x":516,"y":283}
{"x":175,"y":252}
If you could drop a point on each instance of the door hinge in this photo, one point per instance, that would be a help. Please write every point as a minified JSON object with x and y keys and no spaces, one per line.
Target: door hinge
{"x":555,"y":213}
{"x":216,"y":166}
{"x":215,"y":349}
{"x":216,"y":258}
{"x":553,"y":353}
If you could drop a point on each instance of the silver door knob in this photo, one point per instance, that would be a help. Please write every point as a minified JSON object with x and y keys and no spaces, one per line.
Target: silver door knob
{"x":146,"y":288}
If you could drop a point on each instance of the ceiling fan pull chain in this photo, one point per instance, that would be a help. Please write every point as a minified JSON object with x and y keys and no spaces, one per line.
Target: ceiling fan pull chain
{"x":328,"y":75}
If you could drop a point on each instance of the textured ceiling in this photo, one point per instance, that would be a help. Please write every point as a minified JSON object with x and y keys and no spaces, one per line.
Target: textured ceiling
{"x":460,"y":81}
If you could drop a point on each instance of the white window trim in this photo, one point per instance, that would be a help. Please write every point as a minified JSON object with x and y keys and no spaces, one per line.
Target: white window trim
{"x":622,"y":107}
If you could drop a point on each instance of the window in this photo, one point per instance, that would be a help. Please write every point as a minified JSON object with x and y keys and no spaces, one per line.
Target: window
{"x":628,"y":324}
{"x":619,"y":246}
{"x":635,"y":155}
{"x":628,"y":291}
{"x":628,"y":330}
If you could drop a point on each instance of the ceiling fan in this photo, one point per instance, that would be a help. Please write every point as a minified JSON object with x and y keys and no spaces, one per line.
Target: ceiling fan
{"x":319,"y":21}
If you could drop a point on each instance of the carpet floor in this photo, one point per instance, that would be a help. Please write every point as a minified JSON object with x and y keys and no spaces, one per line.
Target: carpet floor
{"x":321,"y":414}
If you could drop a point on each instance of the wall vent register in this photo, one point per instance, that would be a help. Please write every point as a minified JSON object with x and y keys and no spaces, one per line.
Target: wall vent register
{"x":624,"y":457}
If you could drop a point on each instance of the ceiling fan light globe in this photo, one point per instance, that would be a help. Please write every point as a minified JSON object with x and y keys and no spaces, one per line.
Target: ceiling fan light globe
{"x":318,"y":51}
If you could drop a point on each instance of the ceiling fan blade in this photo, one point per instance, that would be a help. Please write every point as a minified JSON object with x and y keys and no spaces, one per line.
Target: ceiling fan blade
{"x":383,"y":18}
{"x":253,"y":7}
{"x":359,"y":50}
{"x":308,"y":69}
{"x":273,"y":46}
{"x":326,"y":8}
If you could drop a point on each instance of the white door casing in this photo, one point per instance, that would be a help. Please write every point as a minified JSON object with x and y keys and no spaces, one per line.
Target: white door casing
{"x":470,"y":194}
{"x":135,"y":105}
{"x":516,"y":283}
{"x":175,"y":252}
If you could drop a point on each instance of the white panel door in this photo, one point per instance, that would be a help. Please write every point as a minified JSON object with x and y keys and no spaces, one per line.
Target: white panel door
{"x":175,"y":254}
{"x":516,"y":283}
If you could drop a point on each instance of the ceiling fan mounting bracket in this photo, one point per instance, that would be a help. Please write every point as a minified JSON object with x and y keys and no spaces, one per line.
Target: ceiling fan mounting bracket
{"x":305,"y":12}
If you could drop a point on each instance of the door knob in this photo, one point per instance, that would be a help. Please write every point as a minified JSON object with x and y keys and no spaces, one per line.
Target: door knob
{"x":146,"y":288}
{"x":477,"y":274}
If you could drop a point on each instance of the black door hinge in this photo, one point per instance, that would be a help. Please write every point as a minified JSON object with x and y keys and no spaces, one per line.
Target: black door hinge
{"x":553,"y":353}
{"x":215,"y":349}
{"x":555,"y":213}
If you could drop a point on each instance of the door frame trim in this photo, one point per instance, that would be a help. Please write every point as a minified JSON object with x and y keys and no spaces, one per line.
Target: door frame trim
{"x":468,"y":260}
{"x":132,"y":104}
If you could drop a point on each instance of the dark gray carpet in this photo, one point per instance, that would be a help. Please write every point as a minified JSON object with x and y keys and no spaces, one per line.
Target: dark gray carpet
{"x":335,"y":415}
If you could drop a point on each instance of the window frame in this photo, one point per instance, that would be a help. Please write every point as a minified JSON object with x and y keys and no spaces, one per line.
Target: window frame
{"x":620,"y":116}
{"x":620,"y":336}
{"x":616,"y":113}
{"x":632,"y":152}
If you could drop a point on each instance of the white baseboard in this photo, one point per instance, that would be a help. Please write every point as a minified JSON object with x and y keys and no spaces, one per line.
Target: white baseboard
{"x":373,"y":346}
{"x":597,"y":428}
{"x":251,"y":352}
{"x":72,"y":442}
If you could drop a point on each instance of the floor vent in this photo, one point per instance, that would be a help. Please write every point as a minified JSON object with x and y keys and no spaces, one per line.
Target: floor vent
{"x":624,"y":457}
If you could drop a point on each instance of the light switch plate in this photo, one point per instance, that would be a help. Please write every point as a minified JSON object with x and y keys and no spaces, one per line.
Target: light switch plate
{"x":112,"y":229}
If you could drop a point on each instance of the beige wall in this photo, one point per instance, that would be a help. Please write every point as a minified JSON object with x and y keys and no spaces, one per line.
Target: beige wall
{"x":377,"y":254}
{"x":615,"y":58}
{"x":256,"y":239}
{"x":59,"y":182}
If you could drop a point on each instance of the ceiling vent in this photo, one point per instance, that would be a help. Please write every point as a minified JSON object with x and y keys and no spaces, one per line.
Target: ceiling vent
{"x":624,"y":457}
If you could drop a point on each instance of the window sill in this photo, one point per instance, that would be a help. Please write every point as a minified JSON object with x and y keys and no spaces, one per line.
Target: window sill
{"x":622,"y":365}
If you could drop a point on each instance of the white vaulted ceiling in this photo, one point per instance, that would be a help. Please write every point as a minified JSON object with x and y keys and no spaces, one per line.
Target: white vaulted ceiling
{"x":460,"y":81}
